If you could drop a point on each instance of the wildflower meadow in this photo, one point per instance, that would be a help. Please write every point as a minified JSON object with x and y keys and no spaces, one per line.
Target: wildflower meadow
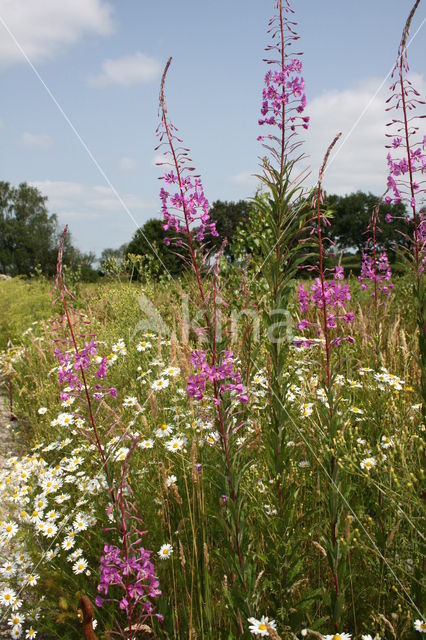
{"x":236,"y":452}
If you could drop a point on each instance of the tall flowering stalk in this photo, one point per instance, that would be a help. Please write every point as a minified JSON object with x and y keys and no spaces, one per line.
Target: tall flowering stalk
{"x":407,"y":165}
{"x":285,"y":216}
{"x":81,"y":371}
{"x":185,"y":209}
{"x":283,"y":211}
{"x":326,"y":305}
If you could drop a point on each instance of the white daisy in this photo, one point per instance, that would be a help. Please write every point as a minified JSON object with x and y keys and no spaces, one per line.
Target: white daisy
{"x":171,"y":371}
{"x":163,"y":430}
{"x":121,"y":454}
{"x":79,"y":566}
{"x":7,"y":596}
{"x":338,"y":636}
{"x":175,"y":444}
{"x":165,"y":551}
{"x":368,"y":463}
{"x":161,"y":383}
{"x":259,"y":627}
{"x":143,"y":345}
{"x":420,"y":626}
{"x":146,"y":444}
{"x":8,"y":530}
{"x":170,"y":480}
{"x":15,"y":620}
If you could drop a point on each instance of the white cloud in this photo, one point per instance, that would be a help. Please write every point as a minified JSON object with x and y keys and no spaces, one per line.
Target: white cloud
{"x":244,"y":179}
{"x":82,"y":201}
{"x":358,"y":162}
{"x":40,"y":141}
{"x":126,"y":71}
{"x":44,"y":28}
{"x":127,"y":164}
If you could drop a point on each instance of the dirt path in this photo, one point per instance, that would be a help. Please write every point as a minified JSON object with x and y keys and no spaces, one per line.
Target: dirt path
{"x":8,"y":439}
{"x":8,"y":447}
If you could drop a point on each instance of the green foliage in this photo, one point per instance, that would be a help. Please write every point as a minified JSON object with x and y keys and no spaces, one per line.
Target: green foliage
{"x":29,"y":237}
{"x":228,"y":216}
{"x":351,"y":218}
{"x":148,"y":242}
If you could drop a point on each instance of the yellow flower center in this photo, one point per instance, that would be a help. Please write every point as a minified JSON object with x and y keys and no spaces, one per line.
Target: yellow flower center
{"x":165,"y":552}
{"x":337,"y":636}
{"x":175,"y":445}
{"x":262,"y":627}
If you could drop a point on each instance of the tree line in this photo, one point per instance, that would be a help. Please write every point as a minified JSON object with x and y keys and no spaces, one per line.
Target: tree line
{"x":29,"y":234}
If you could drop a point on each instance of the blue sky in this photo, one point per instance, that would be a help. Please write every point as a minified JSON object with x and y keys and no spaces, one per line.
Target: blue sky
{"x":102,"y":62}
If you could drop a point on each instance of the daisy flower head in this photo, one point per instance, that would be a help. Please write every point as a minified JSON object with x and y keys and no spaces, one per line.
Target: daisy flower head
{"x":260,"y":627}
{"x":146,"y":444}
{"x":420,"y":626}
{"x":338,"y":636}
{"x":165,"y":551}
{"x":170,"y":480}
{"x":143,"y":345}
{"x":175,"y":444}
{"x":368,"y":636}
{"x":130,"y":401}
{"x":79,"y":566}
{"x":121,"y":454}
{"x":16,"y":632}
{"x":306,"y":409}
{"x":7,"y":596}
{"x":65,"y":419}
{"x":161,"y":383}
{"x":80,"y":523}
{"x":68,"y":543}
{"x":119,"y":347}
{"x":8,"y":530}
{"x":171,"y":371}
{"x":15,"y":620}
{"x":49,"y":530}
{"x":30,"y":633}
{"x":163,"y":430}
{"x":368,"y":463}
{"x":42,"y":410}
{"x":16,"y":604}
{"x":8,"y":568}
{"x":32,"y":579}
{"x":386,"y":442}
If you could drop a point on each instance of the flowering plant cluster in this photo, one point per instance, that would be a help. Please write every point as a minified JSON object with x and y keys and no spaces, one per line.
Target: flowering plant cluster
{"x":331,"y":296}
{"x":187,"y":205}
{"x":283,"y":97}
{"x":83,"y":359}
{"x":224,"y":373}
{"x":378,"y":272}
{"x":134,"y":574}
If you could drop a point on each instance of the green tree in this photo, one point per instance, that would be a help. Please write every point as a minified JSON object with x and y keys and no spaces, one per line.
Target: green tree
{"x":151,"y":236}
{"x":29,"y":236}
{"x":351,"y":217}
{"x":228,"y":216}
